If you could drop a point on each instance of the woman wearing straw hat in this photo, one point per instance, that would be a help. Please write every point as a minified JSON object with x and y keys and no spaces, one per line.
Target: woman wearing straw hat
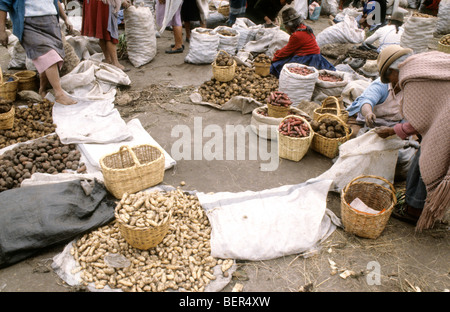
{"x":425,"y":81}
{"x":301,"y":48}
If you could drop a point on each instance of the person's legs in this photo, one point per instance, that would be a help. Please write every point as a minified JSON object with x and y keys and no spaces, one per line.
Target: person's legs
{"x":187,"y":27}
{"x":52,"y":75}
{"x":102,"y":44}
{"x":111,"y":49}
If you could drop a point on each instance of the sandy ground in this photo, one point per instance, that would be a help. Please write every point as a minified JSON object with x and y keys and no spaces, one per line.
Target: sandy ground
{"x":407,"y":261}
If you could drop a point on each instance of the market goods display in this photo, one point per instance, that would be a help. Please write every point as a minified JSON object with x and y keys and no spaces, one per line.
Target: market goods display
{"x":278,"y":104}
{"x":8,"y":87}
{"x":7,"y":112}
{"x":182,"y":261}
{"x":331,"y":105}
{"x":294,"y":138}
{"x":44,"y":155}
{"x":262,"y":64}
{"x":329,"y":132}
{"x":326,"y":76}
{"x":244,"y":83}
{"x":298,"y":81}
{"x":224,"y":67}
{"x":444,"y":44}
{"x":226,"y":32}
{"x":31,"y":122}
{"x":304,"y":71}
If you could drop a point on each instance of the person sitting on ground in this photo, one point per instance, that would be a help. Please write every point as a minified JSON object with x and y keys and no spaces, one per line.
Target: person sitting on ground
{"x":301,"y":48}
{"x":36,"y":25}
{"x":387,"y":35}
{"x":379,"y":104}
{"x":264,"y":11}
{"x":425,"y":81}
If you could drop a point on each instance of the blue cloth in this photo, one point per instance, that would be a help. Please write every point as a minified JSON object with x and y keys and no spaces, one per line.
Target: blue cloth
{"x":16,"y":9}
{"x":314,"y":60}
{"x":237,"y":9}
{"x":376,"y":93}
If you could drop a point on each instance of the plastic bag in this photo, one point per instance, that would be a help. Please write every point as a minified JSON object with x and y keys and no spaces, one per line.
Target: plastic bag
{"x":140,"y":35}
{"x":346,"y":31}
{"x":443,"y":18}
{"x":247,"y":30}
{"x":324,"y":89}
{"x":227,"y":43}
{"x":297,"y":87}
{"x":418,"y":33}
{"x":203,"y":46}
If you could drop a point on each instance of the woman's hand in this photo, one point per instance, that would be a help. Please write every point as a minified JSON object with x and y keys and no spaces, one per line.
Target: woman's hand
{"x":384,"y":132}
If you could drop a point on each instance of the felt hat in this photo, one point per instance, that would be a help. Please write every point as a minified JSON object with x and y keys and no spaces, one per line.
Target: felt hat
{"x":289,"y":14}
{"x":388,"y":56}
{"x":397,"y":16}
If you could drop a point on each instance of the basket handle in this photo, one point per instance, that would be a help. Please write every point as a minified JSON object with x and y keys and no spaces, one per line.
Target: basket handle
{"x":335,"y":101}
{"x":133,"y":155}
{"x":372,"y":177}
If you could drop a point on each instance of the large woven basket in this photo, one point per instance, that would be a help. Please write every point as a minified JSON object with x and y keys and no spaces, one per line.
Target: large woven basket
{"x":443,"y":47}
{"x":143,"y":237}
{"x":262,"y":69}
{"x":7,"y":119}
{"x":331,"y":105}
{"x":27,"y":80}
{"x":374,"y":195}
{"x":223,"y":73}
{"x":133,"y":169}
{"x":224,"y":9}
{"x":8,"y":89}
{"x":329,"y":147}
{"x":294,"y":148}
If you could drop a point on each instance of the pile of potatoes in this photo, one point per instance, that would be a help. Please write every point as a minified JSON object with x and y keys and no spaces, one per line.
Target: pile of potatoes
{"x":329,"y":128}
{"x":45,"y":155}
{"x":31,"y":122}
{"x":262,"y":58}
{"x":245,"y":83}
{"x":445,"y":40}
{"x":225,"y":32}
{"x":223,"y":59}
{"x":182,"y":261}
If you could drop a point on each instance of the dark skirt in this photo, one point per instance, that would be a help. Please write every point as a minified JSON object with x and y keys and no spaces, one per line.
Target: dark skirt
{"x":416,"y":192}
{"x":40,"y":35}
{"x":313,"y":60}
{"x":190,"y":11}
{"x":95,"y":21}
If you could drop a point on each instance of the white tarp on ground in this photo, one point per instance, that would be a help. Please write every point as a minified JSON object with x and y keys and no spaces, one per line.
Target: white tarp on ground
{"x":271,"y":223}
{"x":93,"y":152}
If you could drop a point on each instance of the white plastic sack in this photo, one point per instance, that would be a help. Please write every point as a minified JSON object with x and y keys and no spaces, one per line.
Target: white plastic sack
{"x":443,"y":18}
{"x":301,"y":6}
{"x":329,"y":7}
{"x":346,"y":31}
{"x":352,"y":90}
{"x":263,"y":38}
{"x":296,"y":86}
{"x":242,"y":104}
{"x":324,"y":89}
{"x":16,"y":53}
{"x":418,"y":33}
{"x":228,"y":44}
{"x":247,"y":30}
{"x":367,"y":154}
{"x":271,"y":223}
{"x":280,"y":39}
{"x":140,"y":34}
{"x":203,"y":46}
{"x":93,"y":152}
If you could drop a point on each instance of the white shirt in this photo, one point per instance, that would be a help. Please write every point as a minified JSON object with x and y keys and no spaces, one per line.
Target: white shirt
{"x":386,"y":35}
{"x":39,"y":8}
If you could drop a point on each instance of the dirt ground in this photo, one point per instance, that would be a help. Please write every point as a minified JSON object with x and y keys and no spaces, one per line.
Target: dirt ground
{"x":407,"y":261}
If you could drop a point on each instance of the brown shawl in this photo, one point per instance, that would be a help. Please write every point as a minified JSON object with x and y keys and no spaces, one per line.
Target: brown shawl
{"x":425,"y":80}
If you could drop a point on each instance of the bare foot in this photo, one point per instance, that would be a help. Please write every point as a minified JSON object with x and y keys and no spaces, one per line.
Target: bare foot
{"x":120,"y":66}
{"x":65,"y":100}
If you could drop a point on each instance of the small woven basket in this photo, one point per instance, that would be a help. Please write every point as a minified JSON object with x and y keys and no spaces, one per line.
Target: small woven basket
{"x":27,"y":80}
{"x":262,"y":69}
{"x":7,"y":119}
{"x":8,"y":89}
{"x":331,"y":105}
{"x":223,"y":73}
{"x":374,"y":195}
{"x":143,"y":237}
{"x":276,"y":111}
{"x":329,"y":147}
{"x":224,"y":9}
{"x":294,"y":148}
{"x":133,"y":169}
{"x":443,"y":47}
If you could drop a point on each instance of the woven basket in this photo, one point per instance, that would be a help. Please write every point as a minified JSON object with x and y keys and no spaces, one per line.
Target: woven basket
{"x":375,"y":196}
{"x":133,"y":169}
{"x":8,"y":89}
{"x":223,"y":73}
{"x":329,"y":147}
{"x":27,"y":80}
{"x":443,"y":47}
{"x":277,"y":111}
{"x":262,"y":69}
{"x":224,"y":10}
{"x":294,"y":148}
{"x":7,"y":119}
{"x":143,"y":237}
{"x":331,"y":105}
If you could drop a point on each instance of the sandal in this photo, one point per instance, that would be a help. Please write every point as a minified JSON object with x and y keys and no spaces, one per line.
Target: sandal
{"x":170,"y":51}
